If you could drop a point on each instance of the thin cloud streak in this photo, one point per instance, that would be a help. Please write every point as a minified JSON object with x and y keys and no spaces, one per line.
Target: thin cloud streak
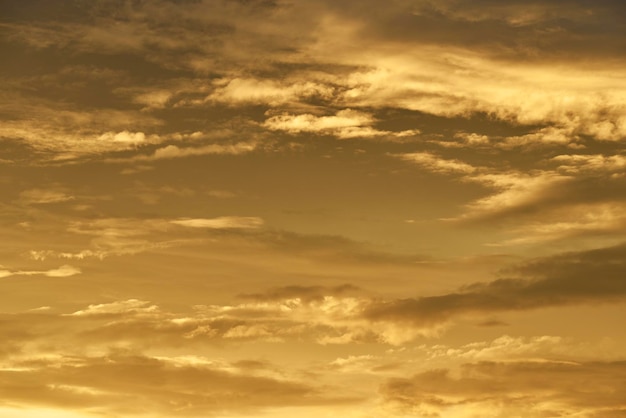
{"x":63,"y":271}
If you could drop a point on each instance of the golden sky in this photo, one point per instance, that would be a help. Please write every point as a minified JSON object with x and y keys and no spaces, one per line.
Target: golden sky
{"x":312,"y":208}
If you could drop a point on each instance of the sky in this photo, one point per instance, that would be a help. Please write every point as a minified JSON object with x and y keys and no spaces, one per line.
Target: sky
{"x":312,"y":208}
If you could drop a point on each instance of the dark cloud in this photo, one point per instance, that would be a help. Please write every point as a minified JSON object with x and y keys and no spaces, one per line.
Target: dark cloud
{"x":582,"y":189}
{"x":595,"y":276}
{"x":513,"y":30}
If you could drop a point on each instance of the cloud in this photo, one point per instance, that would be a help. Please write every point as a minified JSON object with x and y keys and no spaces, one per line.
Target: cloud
{"x":545,"y":136}
{"x":306,"y":293}
{"x":67,"y":134}
{"x":515,"y":191}
{"x":415,"y":56}
{"x":124,"y":137}
{"x":436,"y":164}
{"x":511,"y":348}
{"x":85,"y":362}
{"x":193,"y":388}
{"x":320,"y":316}
{"x":524,"y":388}
{"x":63,"y":271}
{"x":548,"y":136}
{"x":224,"y":222}
{"x":406,"y":68}
{"x":547,"y":282}
{"x":132,"y":306}
{"x":44,"y":196}
{"x":578,"y":195}
{"x":239,"y":91}
{"x":581,"y":196}
{"x":595,"y":163}
{"x":173,"y":151}
{"x":128,"y":236}
{"x":581,"y":220}
{"x":345,"y":124}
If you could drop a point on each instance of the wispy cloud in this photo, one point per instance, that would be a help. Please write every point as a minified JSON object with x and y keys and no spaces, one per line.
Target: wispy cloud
{"x":132,"y":306}
{"x":174,"y":151}
{"x":224,"y":222}
{"x":63,"y":271}
{"x":436,"y":164}
{"x":129,"y":236}
{"x":528,"y":388}
{"x":513,"y":190}
{"x":552,"y":281}
{"x":345,"y":124}
{"x":239,"y":91}
{"x":44,"y":196}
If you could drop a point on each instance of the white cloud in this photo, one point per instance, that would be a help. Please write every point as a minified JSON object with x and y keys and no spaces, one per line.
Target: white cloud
{"x":576,"y":220}
{"x":574,"y":164}
{"x":68,"y":134}
{"x":125,"y":137}
{"x":173,"y":151}
{"x":248,"y":90}
{"x":459,"y":82}
{"x":546,"y":136}
{"x":133,"y":306}
{"x":345,"y":124}
{"x":63,"y":271}
{"x":310,"y":123}
{"x":222,"y":222}
{"x":513,"y":190}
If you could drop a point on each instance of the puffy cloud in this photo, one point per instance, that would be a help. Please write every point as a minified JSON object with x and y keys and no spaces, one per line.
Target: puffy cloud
{"x":248,"y":90}
{"x":581,"y":163}
{"x":125,"y":137}
{"x":344,"y":314}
